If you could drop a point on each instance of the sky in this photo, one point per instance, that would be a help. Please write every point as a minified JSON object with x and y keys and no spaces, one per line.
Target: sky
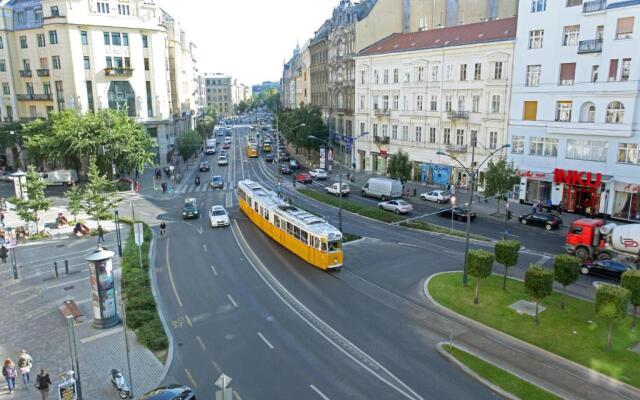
{"x":248,"y":39}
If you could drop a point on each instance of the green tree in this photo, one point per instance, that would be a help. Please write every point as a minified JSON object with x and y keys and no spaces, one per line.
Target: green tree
{"x":566,"y":271}
{"x":611,"y":304}
{"x":210,"y":111}
{"x":97,"y":198}
{"x":479,"y":265}
{"x":29,"y":209}
{"x":631,"y":281}
{"x":399,"y":166}
{"x":499,"y":179}
{"x":189,"y":144}
{"x":74,"y":196}
{"x":243,"y":106}
{"x":12,"y":136}
{"x":538,"y":282}
{"x":507,"y":252}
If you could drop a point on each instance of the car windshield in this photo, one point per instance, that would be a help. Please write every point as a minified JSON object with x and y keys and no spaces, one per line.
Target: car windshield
{"x":334,"y":246}
{"x":218,"y":212}
{"x":189,"y":204}
{"x":216,"y":179}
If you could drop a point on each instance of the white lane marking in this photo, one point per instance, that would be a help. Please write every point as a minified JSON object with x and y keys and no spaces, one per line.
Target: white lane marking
{"x":232,"y":301}
{"x":173,"y":284}
{"x":215,"y":272}
{"x":543,"y":260}
{"x":200,"y":230}
{"x":322,"y":395}
{"x":201,"y":343}
{"x":204,"y":246}
{"x":193,"y":381}
{"x":188,"y":320}
{"x":264,"y":339}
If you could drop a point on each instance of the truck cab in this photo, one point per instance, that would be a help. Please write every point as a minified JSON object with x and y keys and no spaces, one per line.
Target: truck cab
{"x":583,"y":238}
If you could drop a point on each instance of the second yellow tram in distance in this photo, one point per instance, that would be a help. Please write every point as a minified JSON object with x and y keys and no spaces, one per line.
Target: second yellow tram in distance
{"x":307,"y":236}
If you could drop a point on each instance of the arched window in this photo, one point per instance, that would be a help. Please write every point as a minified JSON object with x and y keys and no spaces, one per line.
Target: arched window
{"x":588,"y":112}
{"x":615,"y":112}
{"x":340,"y":100}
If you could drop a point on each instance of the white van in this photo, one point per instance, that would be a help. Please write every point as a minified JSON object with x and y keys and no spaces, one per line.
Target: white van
{"x":382,"y":188}
{"x":64,"y":177}
{"x":211,"y":146}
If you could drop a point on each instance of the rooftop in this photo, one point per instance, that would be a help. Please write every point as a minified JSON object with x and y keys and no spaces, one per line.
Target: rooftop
{"x":481,"y":32}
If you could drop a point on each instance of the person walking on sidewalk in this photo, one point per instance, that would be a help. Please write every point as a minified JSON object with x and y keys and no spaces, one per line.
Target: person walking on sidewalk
{"x":43,"y":382}
{"x":25,"y":363}
{"x":2,"y":219}
{"x":100,"y":234}
{"x":9,"y":373}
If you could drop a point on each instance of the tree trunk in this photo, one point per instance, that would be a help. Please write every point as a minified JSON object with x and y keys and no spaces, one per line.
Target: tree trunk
{"x":36,"y":221}
{"x":537,"y":320}
{"x":498,"y":206}
{"x":609,"y":335}
{"x":564,"y":289}
{"x":475,"y":298}
{"x":633,"y":321}
{"x":504,"y":279}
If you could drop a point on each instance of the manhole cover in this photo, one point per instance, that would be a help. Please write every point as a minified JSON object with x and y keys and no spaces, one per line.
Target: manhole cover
{"x":68,"y":287}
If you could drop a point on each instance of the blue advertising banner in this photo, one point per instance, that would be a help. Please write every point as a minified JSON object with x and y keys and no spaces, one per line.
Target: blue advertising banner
{"x":424,"y":172}
{"x":440,"y":174}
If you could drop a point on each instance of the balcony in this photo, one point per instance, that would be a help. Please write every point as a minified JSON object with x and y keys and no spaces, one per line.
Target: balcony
{"x":458,"y":114}
{"x":43,"y":72}
{"x":381,"y":112}
{"x":118,"y":71}
{"x":590,"y":46}
{"x":25,"y":73}
{"x":34,"y":97}
{"x":593,"y":6}
{"x":381,"y":139}
{"x":457,"y":148}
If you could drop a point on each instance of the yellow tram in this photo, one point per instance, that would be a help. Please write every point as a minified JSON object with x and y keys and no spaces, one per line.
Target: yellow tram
{"x":307,"y":236}
{"x":252,"y":150}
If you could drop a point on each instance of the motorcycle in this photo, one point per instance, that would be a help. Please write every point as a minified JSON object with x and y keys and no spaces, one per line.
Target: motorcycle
{"x":121,"y":385}
{"x":197,"y":181}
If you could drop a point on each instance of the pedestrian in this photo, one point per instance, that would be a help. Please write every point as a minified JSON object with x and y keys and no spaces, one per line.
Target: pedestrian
{"x":4,"y":253}
{"x":9,"y":373}
{"x":164,"y":187}
{"x":534,"y":208}
{"x":3,"y":203}
{"x":137,"y":174}
{"x":100,"y":234}
{"x":560,"y":208}
{"x":25,"y":363}
{"x":2,"y":219}
{"x":549,"y":205}
{"x":43,"y":382}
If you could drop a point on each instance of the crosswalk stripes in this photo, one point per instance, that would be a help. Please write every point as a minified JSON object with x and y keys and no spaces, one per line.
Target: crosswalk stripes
{"x":192,"y":188}
{"x":130,"y":196}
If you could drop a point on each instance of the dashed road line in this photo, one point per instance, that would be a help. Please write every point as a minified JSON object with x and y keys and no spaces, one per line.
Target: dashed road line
{"x":186,"y":317}
{"x":204,"y":246}
{"x":232,"y":301}
{"x":201,"y":343}
{"x":264,"y":339}
{"x":318,"y":392}
{"x":216,"y":366}
{"x":215,"y":272}
{"x":193,"y":381}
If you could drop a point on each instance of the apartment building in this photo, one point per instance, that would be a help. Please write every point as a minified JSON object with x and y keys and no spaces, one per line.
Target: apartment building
{"x":219,"y":92}
{"x":574,"y":120}
{"x":442,"y":89}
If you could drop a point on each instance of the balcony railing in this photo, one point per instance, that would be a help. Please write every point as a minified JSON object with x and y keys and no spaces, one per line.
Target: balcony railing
{"x":590,"y":46}
{"x":381,"y":139}
{"x":25,"y":73}
{"x":43,"y":72}
{"x":379,"y":112}
{"x":34,"y":97}
{"x":457,"y":148}
{"x":593,"y":6}
{"x":118,"y":71}
{"x":458,"y":114}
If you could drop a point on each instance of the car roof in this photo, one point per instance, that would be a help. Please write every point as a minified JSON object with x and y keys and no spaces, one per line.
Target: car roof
{"x":189,"y":199}
{"x":165,"y":392}
{"x":216,"y":177}
{"x":217,"y":207}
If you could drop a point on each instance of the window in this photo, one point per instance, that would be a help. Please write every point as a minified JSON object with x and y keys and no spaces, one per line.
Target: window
{"x":434,"y":73}
{"x":459,"y":137}
{"x":33,"y":112}
{"x":395,"y":75}
{"x":418,"y":134}
{"x":588,"y":112}
{"x":375,"y":129}
{"x":573,"y":3}
{"x":461,"y":103}
{"x":20,"y":16}
{"x":626,"y":69}
{"x":533,"y":75}
{"x":394,"y":132}
{"x":55,"y":11}
{"x":55,"y":61}
{"x":434,"y":103}
{"x":376,"y":78}
{"x":447,"y":103}
{"x":405,"y":133}
{"x":3,"y":66}
{"x":125,"y":39}
{"x":449,"y":72}
{"x":123,"y":9}
{"x":419,"y":102}
{"x":463,"y":72}
{"x":447,"y":136}
{"x":563,"y":111}
{"x":627,"y":153}
{"x":385,"y":76}
{"x":567,"y":74}
{"x":41,"y":40}
{"x":624,"y":28}
{"x":587,"y":150}
{"x":493,"y":140}
{"x":38,"y":15}
{"x":613,"y":69}
{"x":107,"y":38}
{"x":538,"y":5}
{"x":87,"y":62}
{"x":595,"y":69}
{"x":385,"y":130}
{"x":536,"y":38}
{"x":109,"y":62}
{"x":362,"y":102}
{"x":29,"y":86}
{"x":103,"y":7}
{"x":146,"y":64}
{"x":517,"y":144}
{"x":1,"y":43}
{"x":477,"y":72}
{"x":84,"y":38}
{"x":396,"y":101}
{"x":405,"y":103}
{"x":541,"y":146}
{"x":475,"y":103}
{"x":362,"y":128}
{"x":145,"y":44}
{"x":53,"y":37}
{"x":495,"y":103}
{"x":5,"y":88}
{"x":530,"y":112}
{"x":420,"y":77}
{"x":385,"y":102}
{"x":116,"y":39}
{"x":432,"y":135}
{"x":497,"y":70}
{"x":26,"y":65}
{"x":600,"y":32}
{"x":407,"y":76}
{"x":46,"y":88}
{"x":375,"y":102}
{"x":9,"y":113}
{"x":23,"y":42}
{"x":570,"y":35}
{"x":615,"y":112}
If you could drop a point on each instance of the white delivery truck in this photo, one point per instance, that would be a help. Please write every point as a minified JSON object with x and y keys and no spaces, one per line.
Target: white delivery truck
{"x":64,"y":177}
{"x":210,"y":146}
{"x":382,"y":188}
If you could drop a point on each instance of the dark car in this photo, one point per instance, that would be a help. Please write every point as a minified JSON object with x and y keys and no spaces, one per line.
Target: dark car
{"x":204,"y":166}
{"x":269,"y":158}
{"x":611,"y":268}
{"x":549,"y":221}
{"x":216,"y":182}
{"x":226,"y":146}
{"x":459,"y":213}
{"x":190,"y":208}
{"x":284,"y":169}
{"x":171,"y":392}
{"x":303,"y":177}
{"x":285,"y":156}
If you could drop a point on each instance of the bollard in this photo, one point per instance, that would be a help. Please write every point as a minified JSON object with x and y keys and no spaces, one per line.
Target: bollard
{"x":66,"y":267}
{"x":55,"y":268}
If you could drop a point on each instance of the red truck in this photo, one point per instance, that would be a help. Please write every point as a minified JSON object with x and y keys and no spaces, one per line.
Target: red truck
{"x":595,"y":239}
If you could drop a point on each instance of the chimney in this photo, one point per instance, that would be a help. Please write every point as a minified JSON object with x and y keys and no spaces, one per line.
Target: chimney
{"x":406,"y":14}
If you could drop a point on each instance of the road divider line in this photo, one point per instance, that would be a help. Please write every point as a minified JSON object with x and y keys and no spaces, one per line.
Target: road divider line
{"x":171,"y":281}
{"x":216,"y":366}
{"x":186,"y":317}
{"x":204,"y":246}
{"x":232,"y":301}
{"x":318,"y":392}
{"x":264,"y":339}
{"x":215,"y":272}
{"x":229,"y":200}
{"x":543,"y":260}
{"x":201,"y":343}
{"x":193,"y":381}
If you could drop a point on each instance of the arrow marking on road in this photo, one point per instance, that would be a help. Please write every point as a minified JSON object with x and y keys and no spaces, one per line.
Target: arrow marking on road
{"x":201,"y":343}
{"x":200,"y":230}
{"x":322,"y":395}
{"x":232,"y":301}
{"x":264,"y":339}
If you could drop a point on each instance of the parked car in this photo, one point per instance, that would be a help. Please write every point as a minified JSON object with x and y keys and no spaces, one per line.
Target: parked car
{"x":438,"y":196}
{"x":64,"y":177}
{"x":318,"y":173}
{"x":190,"y":208}
{"x":303,"y":177}
{"x":333,"y":189}
{"x":293,"y":164}
{"x":284,"y":169}
{"x":383,"y":188}
{"x":223,"y":160}
{"x":284,"y":156}
{"x":218,"y":216}
{"x":549,"y":221}
{"x":269,"y":158}
{"x":171,"y":392}
{"x":204,"y":166}
{"x":216,"y":182}
{"x":611,"y":268}
{"x":397,"y":206}
{"x":459,"y":213}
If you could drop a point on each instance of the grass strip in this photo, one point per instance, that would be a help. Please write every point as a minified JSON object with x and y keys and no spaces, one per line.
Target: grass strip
{"x":575,"y":333}
{"x":425,"y":226}
{"x":350,"y":237}
{"x":499,"y":377}
{"x":365,"y":211}
{"x":141,"y":310}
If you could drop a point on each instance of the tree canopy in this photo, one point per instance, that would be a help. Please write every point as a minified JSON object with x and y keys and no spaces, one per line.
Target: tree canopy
{"x":189,"y":144}
{"x":399,"y":166}
{"x":311,"y":117}
{"x":499,"y":178}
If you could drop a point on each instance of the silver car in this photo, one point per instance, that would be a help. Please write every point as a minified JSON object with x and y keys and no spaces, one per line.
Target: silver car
{"x":397,"y":206}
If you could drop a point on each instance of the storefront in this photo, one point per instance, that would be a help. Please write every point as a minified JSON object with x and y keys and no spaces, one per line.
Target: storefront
{"x":536,"y":187}
{"x":582,"y":191}
{"x":379,"y":162}
{"x":626,"y":202}
{"x":432,"y":173}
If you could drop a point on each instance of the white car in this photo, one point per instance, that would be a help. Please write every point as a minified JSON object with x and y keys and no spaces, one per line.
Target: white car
{"x":218,"y":216}
{"x":397,"y":206}
{"x":227,"y":139}
{"x":318,"y":173}
{"x":438,"y":196}
{"x":333,"y":189}
{"x":222,"y":160}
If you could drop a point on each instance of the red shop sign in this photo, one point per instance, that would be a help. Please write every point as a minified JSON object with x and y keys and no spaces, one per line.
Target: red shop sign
{"x":577,"y":178}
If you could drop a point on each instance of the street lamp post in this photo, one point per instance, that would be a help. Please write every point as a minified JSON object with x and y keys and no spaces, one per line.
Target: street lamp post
{"x":472,"y":178}
{"x":353,"y":153}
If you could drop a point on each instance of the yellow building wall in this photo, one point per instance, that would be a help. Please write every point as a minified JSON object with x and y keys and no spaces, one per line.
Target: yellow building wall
{"x":384,"y":19}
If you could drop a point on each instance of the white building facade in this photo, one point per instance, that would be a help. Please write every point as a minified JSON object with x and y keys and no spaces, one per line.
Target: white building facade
{"x":431,"y":91}
{"x":575,"y":110}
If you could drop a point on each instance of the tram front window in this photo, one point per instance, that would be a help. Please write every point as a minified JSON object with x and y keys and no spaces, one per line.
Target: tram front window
{"x":334,"y":246}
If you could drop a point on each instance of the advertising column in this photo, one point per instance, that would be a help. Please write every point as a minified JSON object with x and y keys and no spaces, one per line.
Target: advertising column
{"x":103,"y":292}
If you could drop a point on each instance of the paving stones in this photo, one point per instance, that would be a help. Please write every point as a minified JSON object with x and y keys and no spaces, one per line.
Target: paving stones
{"x":526,"y":307}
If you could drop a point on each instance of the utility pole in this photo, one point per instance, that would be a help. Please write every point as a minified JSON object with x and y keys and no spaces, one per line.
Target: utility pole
{"x":472,"y":176}
{"x":126,"y":346}
{"x":340,"y":209}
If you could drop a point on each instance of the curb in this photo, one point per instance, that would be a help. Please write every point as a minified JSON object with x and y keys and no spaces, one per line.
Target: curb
{"x":472,"y":373}
{"x":506,"y":336}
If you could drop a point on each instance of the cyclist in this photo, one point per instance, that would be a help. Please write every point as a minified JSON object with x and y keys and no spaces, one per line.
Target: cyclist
{"x":163,"y":228}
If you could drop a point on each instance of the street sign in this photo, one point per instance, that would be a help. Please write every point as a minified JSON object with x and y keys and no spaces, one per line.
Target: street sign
{"x":223,"y":381}
{"x":138,"y":233}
